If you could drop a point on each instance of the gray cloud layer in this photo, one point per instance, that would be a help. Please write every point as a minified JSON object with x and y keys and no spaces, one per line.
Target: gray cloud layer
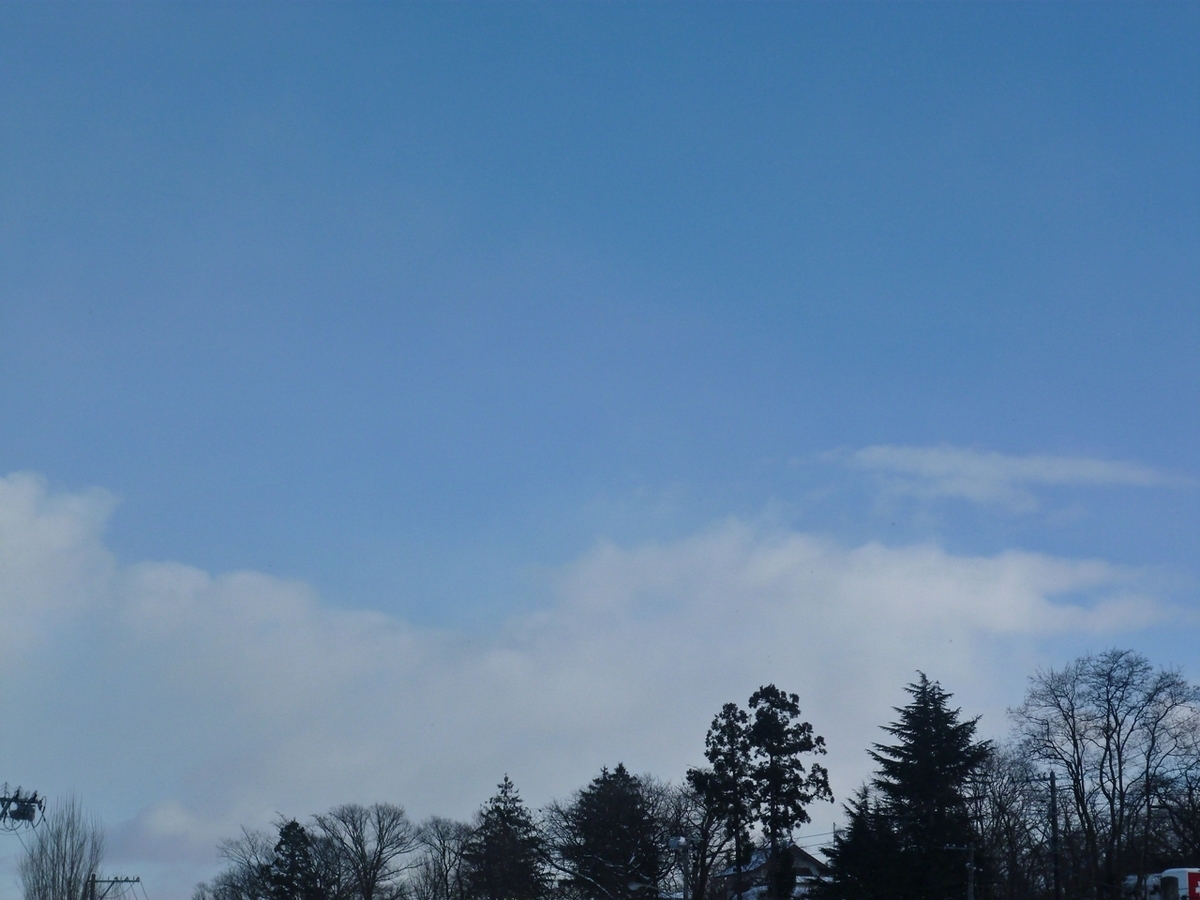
{"x":184,"y":704}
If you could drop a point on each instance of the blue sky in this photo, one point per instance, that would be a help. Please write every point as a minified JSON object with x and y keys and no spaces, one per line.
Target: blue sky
{"x":423,"y":310}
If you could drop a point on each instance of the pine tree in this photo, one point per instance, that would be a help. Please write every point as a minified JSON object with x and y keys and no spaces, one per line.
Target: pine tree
{"x":783,"y":787}
{"x":757,"y":776}
{"x":865,"y":854}
{"x":293,"y":875}
{"x":728,"y":785}
{"x":609,"y":841}
{"x":913,"y":840}
{"x":925,"y":774}
{"x":502,"y":857}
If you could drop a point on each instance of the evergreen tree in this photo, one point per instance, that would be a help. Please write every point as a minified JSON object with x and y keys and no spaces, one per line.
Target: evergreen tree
{"x":502,"y":857}
{"x":783,"y":787}
{"x":608,"y":841}
{"x":757,"y":776}
{"x":914,"y":840}
{"x":293,"y":874}
{"x":728,"y":787}
{"x":865,"y":854}
{"x":924,"y":777}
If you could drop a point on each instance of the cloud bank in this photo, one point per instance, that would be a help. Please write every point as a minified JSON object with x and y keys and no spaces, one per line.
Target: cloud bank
{"x":987,"y":477}
{"x":182,"y":704}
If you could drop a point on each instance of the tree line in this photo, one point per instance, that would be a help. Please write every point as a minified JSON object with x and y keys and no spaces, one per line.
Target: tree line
{"x":945,"y":816}
{"x":620,"y":837}
{"x":1096,"y":788}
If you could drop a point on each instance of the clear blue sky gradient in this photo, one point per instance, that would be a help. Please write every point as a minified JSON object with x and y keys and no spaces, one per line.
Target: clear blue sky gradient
{"x":406,"y":299}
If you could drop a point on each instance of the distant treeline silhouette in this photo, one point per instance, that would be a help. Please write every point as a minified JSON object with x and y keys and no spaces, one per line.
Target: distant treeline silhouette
{"x":945,"y":816}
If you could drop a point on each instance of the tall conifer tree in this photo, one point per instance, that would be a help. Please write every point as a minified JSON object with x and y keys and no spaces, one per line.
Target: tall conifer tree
{"x":783,"y":785}
{"x":915,"y":839}
{"x":728,"y":785}
{"x":865,"y":854}
{"x":502,"y":859}
{"x":609,"y":840}
{"x":293,"y":872}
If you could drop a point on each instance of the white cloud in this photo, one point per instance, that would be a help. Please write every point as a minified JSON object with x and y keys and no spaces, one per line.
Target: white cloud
{"x":184,"y":705}
{"x":997,"y":478}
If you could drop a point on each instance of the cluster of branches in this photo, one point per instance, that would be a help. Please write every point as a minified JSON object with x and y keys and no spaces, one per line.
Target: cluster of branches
{"x":66,"y":851}
{"x":621,"y":837}
{"x":1118,"y":738}
{"x":1122,"y":738}
{"x":352,"y":852}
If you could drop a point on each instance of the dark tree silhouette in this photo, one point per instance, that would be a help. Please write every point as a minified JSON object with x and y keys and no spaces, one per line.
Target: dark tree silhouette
{"x":371,"y":843}
{"x":502,"y":859}
{"x":438,"y":873}
{"x":247,"y":875}
{"x":608,"y":842}
{"x":1114,"y":729}
{"x":66,"y":850}
{"x":727,"y":787}
{"x":783,"y":786}
{"x":699,"y":818}
{"x":865,"y":854}
{"x":293,"y":872}
{"x":921,"y":827}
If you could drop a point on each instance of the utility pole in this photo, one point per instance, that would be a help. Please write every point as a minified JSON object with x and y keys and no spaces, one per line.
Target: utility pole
{"x":109,"y":884}
{"x":1054,"y":836}
{"x":970,"y":848}
{"x":685,"y":860}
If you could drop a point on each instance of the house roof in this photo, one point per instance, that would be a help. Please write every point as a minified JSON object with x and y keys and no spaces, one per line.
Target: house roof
{"x":802,"y":859}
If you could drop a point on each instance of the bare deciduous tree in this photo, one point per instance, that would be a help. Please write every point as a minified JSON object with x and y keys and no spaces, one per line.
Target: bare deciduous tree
{"x":1110,"y":724}
{"x":248,"y":875}
{"x":372,"y":843}
{"x":66,"y":851}
{"x":438,"y":874}
{"x":252,"y":856}
{"x":693,"y":815}
{"x":1009,"y":805}
{"x":332,"y":878}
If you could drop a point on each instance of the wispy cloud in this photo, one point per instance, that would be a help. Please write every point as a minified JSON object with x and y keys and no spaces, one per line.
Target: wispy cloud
{"x":184,"y":704}
{"x":988,"y":477}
